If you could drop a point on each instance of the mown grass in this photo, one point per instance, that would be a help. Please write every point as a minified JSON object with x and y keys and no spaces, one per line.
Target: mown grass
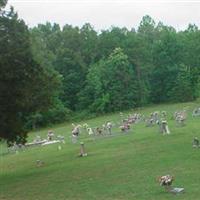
{"x":121,"y":167}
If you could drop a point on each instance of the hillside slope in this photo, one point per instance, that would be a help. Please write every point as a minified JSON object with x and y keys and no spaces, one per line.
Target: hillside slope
{"x":122,"y":166}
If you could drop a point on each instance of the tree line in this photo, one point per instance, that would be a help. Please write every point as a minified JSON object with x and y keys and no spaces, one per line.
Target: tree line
{"x":48,"y":73}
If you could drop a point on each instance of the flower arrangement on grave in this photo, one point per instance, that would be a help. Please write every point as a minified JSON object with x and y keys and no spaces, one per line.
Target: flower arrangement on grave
{"x":166,"y":180}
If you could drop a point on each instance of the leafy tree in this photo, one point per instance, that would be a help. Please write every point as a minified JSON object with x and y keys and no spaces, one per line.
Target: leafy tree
{"x":191,"y":55}
{"x":181,"y":89}
{"x":166,"y":61}
{"x":70,"y":64}
{"x":25,"y":86}
{"x":147,"y":27}
{"x":142,"y":57}
{"x":89,"y":70}
{"x":57,"y":113}
{"x":111,"y":83}
{"x":109,"y":40}
{"x":89,"y":44}
{"x":45,"y":42}
{"x":3,"y":4}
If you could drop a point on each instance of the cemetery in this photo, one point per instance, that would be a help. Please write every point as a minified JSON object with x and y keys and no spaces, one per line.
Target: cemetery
{"x":99,"y":101}
{"x":110,"y":164}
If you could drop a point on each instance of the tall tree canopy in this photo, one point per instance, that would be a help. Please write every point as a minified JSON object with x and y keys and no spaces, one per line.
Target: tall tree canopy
{"x":165,"y":63}
{"x":25,"y":86}
{"x":49,"y":71}
{"x":3,"y":4}
{"x":111,"y":84}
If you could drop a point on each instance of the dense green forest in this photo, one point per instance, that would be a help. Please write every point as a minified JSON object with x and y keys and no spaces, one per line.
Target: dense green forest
{"x":49,"y":72}
{"x":117,"y":69}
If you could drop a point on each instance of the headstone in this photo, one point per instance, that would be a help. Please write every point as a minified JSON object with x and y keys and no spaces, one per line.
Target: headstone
{"x":177,"y":190}
{"x":74,"y":138}
{"x":82,"y":150}
{"x":159,"y":125}
{"x":180,"y":117}
{"x":164,"y":127}
{"x":90,"y":131}
{"x":109,"y":127}
{"x":166,"y":182}
{"x":50,"y":135}
{"x":99,"y":131}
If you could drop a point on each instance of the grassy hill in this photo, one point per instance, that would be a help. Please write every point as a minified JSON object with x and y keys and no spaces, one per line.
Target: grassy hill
{"x":121,"y":167}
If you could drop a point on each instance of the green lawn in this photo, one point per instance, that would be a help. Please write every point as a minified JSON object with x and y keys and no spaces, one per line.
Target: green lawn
{"x":121,"y":167}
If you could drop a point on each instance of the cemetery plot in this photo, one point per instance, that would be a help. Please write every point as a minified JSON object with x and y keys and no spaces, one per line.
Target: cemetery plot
{"x":114,"y":164}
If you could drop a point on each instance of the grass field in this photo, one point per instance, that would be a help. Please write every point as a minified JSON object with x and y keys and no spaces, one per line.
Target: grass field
{"x":121,"y":167}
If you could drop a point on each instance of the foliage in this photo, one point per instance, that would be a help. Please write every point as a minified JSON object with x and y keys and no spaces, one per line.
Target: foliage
{"x":25,"y":86}
{"x":111,"y":84}
{"x":45,"y":40}
{"x":155,"y":52}
{"x":52,"y":71}
{"x":3,"y":3}
{"x":56,"y":114}
{"x":181,"y":90}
